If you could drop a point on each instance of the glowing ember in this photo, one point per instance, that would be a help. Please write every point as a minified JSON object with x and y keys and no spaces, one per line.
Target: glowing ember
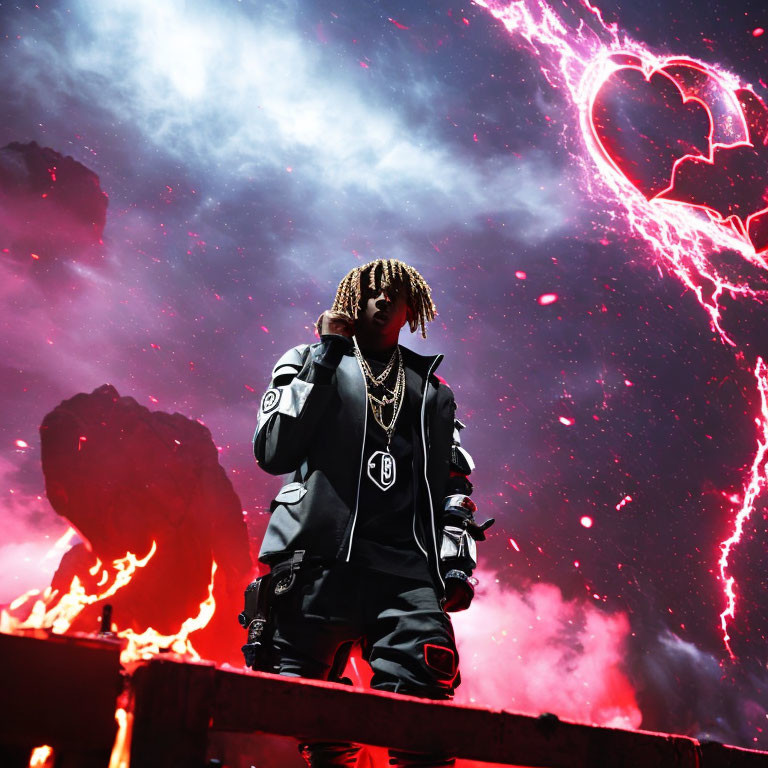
{"x":547,"y":298}
{"x":586,"y":521}
{"x":567,"y":421}
{"x":624,"y":501}
{"x":514,"y":544}
{"x":684,"y":236}
{"x":22,"y":444}
{"x":41,"y":756}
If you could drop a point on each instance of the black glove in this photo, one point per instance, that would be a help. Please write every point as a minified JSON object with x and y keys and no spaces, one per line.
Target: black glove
{"x":459,"y":591}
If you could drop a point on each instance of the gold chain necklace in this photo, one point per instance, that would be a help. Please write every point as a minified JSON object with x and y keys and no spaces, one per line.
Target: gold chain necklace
{"x":382,"y":377}
{"x":395,"y":397}
{"x":381,"y":464}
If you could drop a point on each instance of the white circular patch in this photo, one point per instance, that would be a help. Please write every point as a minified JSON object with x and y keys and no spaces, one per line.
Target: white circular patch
{"x":270,"y":400}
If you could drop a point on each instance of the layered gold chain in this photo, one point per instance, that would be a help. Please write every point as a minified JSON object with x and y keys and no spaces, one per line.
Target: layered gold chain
{"x":393,"y":397}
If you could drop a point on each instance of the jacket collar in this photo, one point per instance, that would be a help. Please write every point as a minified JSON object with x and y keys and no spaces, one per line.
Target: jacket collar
{"x":420,"y":363}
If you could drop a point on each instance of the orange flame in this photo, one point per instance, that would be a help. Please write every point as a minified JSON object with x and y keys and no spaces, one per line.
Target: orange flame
{"x":121,"y":750}
{"x":146,"y":644}
{"x":41,"y":757}
{"x":61,"y":544}
{"x":58,"y":617}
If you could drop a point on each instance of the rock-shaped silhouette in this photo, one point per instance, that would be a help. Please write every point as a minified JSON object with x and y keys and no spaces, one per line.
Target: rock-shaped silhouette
{"x":50,"y":204}
{"x":125,"y":476}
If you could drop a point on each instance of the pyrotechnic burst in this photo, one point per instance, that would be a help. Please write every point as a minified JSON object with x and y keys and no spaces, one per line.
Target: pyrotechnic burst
{"x":695,"y":198}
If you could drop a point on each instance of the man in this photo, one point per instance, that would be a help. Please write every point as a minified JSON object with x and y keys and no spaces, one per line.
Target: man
{"x":374,"y":538}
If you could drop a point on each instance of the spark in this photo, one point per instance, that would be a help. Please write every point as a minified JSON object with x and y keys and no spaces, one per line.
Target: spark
{"x":577,"y":59}
{"x":547,"y":298}
{"x":586,"y":521}
{"x":624,"y":501}
{"x":397,"y":24}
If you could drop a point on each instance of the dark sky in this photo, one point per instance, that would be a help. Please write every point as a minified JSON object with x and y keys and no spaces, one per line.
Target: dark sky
{"x":254,"y":152}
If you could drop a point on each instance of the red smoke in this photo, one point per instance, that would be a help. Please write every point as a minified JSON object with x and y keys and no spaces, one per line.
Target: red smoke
{"x":534,"y":652}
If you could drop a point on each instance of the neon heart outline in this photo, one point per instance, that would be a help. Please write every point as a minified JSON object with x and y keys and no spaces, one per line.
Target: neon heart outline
{"x":740,"y":99}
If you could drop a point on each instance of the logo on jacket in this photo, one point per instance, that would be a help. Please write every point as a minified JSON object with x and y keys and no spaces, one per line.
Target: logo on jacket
{"x":381,"y":469}
{"x":270,"y":400}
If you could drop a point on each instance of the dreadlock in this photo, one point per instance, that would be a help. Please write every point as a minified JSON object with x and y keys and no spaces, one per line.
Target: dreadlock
{"x":380,"y":274}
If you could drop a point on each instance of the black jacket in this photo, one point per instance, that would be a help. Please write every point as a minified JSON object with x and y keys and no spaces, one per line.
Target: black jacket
{"x":312,"y":423}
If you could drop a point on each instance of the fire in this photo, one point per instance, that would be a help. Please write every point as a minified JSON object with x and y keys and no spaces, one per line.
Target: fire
{"x":577,"y":59}
{"x":121,"y":750}
{"x":41,"y":757}
{"x":146,"y":644}
{"x":62,"y":544}
{"x":57,"y":615}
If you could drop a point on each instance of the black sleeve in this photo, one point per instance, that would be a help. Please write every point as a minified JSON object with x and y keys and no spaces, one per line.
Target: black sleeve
{"x":300,"y":389}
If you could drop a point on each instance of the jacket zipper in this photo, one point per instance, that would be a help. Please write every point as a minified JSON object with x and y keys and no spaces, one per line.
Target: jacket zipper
{"x":362,"y":459}
{"x":426,"y":479}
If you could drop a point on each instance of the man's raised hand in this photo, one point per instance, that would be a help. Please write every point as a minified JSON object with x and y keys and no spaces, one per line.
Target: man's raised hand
{"x":335,"y":322}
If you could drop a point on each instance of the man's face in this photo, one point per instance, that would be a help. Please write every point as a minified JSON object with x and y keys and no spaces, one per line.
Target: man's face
{"x":383,"y":313}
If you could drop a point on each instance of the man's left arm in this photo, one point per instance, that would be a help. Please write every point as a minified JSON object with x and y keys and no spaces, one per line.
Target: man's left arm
{"x":460,"y":530}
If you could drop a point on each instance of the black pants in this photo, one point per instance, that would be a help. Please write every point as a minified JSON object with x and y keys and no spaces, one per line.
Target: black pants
{"x":405,"y":635}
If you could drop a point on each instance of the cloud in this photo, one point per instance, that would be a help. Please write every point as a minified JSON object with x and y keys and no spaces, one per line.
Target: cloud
{"x":684,"y":689}
{"x":535,"y":652}
{"x":243,"y":97}
{"x":29,"y":529}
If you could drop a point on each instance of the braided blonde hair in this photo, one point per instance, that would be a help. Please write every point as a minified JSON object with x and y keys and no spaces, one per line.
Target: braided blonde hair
{"x":380,"y":275}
